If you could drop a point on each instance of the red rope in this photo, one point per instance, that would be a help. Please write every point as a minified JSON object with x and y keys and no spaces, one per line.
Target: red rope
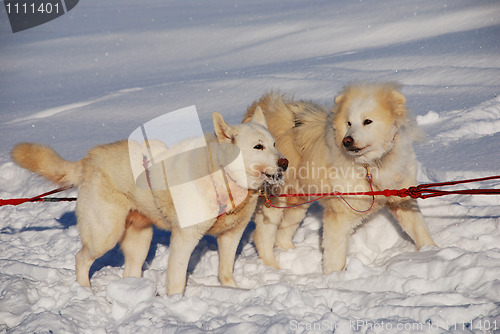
{"x":421,"y":191}
{"x":39,"y":198}
{"x":424,"y":191}
{"x":369,"y":179}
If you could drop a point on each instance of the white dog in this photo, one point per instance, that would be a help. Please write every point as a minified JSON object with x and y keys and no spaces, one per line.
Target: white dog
{"x":364,"y":143}
{"x":112,"y":208}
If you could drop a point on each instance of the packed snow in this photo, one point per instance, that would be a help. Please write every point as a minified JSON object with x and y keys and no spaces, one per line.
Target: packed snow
{"x":95,"y":74}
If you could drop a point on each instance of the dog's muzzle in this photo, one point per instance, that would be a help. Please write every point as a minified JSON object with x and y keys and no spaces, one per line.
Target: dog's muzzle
{"x":276,"y":178}
{"x":348,"y":143}
{"x":283,"y":164}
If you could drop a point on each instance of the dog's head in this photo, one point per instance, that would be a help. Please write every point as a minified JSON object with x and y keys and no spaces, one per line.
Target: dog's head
{"x":263,"y":162}
{"x":367,"y":120}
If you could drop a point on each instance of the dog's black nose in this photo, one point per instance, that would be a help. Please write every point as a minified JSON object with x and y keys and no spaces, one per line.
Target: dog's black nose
{"x":347,"y":141}
{"x":283,"y":163}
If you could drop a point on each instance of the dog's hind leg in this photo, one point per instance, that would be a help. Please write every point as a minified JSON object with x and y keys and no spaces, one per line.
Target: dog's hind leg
{"x":101,"y":225}
{"x":289,"y":224}
{"x":135,"y":243}
{"x":95,"y":243}
{"x":83,"y":263}
{"x":266,"y":221}
{"x":410,"y":219}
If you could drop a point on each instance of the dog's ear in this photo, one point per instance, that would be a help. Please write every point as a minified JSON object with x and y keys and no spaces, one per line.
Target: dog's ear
{"x":258,"y":117}
{"x":397,"y":102}
{"x":224,"y":132}
{"x":338,"y":100}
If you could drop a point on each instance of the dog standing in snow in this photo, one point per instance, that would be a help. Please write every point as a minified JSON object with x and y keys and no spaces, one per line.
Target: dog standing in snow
{"x":112,"y":208}
{"x":364,"y":143}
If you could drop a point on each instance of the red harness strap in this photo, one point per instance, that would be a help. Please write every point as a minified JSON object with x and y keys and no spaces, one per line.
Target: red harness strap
{"x":421,"y":191}
{"x":39,"y":198}
{"x":424,"y":190}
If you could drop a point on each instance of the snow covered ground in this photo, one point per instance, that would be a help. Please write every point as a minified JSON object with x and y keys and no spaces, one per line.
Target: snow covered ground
{"x":95,"y":74}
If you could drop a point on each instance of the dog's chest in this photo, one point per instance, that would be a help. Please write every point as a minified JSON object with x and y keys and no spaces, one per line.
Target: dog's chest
{"x":240,"y":215}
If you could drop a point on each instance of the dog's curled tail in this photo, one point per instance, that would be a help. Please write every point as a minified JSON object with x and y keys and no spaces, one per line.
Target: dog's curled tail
{"x":44,"y":161}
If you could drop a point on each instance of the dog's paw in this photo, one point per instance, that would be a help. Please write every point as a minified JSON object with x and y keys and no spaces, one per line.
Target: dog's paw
{"x":229,"y":282}
{"x":285,"y":244}
{"x":429,"y":247}
{"x":271,"y":262}
{"x":332,"y":266}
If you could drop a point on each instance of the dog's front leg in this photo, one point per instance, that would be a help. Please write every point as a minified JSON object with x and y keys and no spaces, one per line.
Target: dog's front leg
{"x":411,"y":221}
{"x":228,"y":243}
{"x":267,"y":221}
{"x":337,"y":228}
{"x":182,"y":243}
{"x":289,"y":225}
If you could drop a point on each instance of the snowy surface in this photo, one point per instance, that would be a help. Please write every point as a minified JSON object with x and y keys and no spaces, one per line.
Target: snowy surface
{"x":95,"y":74}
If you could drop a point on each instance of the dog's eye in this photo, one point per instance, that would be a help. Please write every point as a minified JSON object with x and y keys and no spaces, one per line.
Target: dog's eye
{"x":367,"y":121}
{"x":349,"y":124}
{"x":259,"y":147}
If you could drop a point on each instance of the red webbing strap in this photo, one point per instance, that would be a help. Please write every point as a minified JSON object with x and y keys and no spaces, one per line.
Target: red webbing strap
{"x":39,"y":198}
{"x":421,"y":191}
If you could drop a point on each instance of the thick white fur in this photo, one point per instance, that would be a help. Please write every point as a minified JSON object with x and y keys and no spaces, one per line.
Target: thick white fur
{"x":311,"y":137}
{"x":111,"y":208}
